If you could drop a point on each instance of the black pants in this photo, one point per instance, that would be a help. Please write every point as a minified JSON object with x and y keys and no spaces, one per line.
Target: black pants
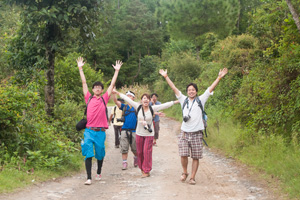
{"x":117,"y":134}
{"x":88,"y":167}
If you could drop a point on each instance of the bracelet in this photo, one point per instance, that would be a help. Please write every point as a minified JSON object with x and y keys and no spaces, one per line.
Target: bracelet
{"x":219,"y":78}
{"x":166,"y":76}
{"x":80,"y":69}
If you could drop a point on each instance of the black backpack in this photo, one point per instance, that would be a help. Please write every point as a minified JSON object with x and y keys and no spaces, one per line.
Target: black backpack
{"x":204,"y":115}
{"x":139,"y":108}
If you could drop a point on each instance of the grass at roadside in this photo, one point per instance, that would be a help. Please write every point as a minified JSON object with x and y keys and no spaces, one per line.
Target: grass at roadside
{"x":11,"y":179}
{"x":270,"y":154}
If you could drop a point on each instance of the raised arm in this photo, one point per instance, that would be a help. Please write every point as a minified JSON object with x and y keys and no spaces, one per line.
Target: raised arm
{"x":117,"y":68}
{"x":118,"y":103}
{"x":164,"y":73}
{"x":80,"y":64}
{"x":222,"y":73}
{"x":126,"y":98}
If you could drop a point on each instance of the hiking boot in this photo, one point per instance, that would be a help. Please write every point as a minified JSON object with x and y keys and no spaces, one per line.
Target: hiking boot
{"x":98,"y":177}
{"x":135,"y":162}
{"x":88,"y":182}
{"x":124,"y":166}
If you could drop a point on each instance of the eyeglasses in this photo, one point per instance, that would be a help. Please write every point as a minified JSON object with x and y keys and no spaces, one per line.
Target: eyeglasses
{"x":97,"y":87}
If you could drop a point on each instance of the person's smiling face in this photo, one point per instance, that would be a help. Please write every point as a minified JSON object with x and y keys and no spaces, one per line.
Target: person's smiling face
{"x":191,"y":92}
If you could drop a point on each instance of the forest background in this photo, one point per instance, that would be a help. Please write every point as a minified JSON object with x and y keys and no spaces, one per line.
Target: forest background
{"x":254,"y":114}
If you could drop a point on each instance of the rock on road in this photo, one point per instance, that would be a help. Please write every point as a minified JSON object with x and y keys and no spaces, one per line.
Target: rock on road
{"x":217,"y":177}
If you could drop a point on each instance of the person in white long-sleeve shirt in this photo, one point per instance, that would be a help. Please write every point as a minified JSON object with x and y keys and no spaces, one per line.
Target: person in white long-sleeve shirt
{"x":144,"y":133}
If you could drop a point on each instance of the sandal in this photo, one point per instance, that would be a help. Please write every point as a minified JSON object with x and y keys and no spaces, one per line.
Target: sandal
{"x":192,"y":181}
{"x":144,"y":175}
{"x":184,"y":176}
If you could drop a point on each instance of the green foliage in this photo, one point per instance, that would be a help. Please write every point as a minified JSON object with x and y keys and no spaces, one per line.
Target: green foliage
{"x":13,"y":101}
{"x":189,"y":19}
{"x":149,"y":65}
{"x":68,"y":82}
{"x":27,"y":138}
{"x":8,"y":24}
{"x":138,"y":90}
{"x":267,"y":153}
{"x":207,"y":42}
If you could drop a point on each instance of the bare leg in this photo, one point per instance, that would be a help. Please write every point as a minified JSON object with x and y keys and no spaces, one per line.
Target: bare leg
{"x":184,"y":163}
{"x":195,"y":165}
{"x":124,"y":156}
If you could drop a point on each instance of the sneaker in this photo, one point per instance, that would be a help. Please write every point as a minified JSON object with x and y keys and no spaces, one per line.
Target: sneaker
{"x":124,"y":167}
{"x":88,"y":182}
{"x":98,"y":177}
{"x":135,"y":162}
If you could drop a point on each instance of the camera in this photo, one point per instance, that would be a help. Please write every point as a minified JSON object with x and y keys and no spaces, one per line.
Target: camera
{"x":186,"y":118}
{"x":147,"y":127}
{"x":122,"y":119}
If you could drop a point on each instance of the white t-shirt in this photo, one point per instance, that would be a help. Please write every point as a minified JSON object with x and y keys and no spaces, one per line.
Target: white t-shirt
{"x":195,"y":123}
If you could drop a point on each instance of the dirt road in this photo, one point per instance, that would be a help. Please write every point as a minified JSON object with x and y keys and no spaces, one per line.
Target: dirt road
{"x":217,"y":178}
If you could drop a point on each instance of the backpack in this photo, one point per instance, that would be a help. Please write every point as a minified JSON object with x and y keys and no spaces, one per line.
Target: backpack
{"x":204,"y":115}
{"x":139,"y":108}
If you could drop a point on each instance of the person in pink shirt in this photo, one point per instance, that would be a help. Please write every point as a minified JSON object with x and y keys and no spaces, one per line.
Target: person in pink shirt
{"x":94,"y":134}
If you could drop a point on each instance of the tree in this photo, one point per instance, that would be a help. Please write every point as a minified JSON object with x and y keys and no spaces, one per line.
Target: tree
{"x":45,"y":28}
{"x":294,"y":14}
{"x":190,"y":19}
{"x":138,"y":34}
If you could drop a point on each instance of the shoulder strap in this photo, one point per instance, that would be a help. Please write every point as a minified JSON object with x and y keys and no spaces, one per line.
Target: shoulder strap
{"x":151,"y":109}
{"x":199,"y":104}
{"x":185,"y":102}
{"x":115,"y":110}
{"x":139,"y":108}
{"x":105,"y":108}
{"x":203,"y":115}
{"x":125,"y":109}
{"x":88,"y":104}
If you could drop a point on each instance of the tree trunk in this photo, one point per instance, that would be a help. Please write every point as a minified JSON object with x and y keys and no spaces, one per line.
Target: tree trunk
{"x":50,"y":56}
{"x":294,"y":14}
{"x":49,"y":88}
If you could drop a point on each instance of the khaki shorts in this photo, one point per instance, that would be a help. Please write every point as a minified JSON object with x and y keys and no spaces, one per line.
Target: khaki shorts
{"x":125,"y":142}
{"x":191,"y":143}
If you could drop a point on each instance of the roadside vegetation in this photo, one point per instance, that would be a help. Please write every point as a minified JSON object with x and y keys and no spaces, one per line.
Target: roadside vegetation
{"x":254,"y":114}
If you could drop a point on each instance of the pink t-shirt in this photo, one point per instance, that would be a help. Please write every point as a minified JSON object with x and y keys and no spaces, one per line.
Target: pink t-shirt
{"x":96,"y":113}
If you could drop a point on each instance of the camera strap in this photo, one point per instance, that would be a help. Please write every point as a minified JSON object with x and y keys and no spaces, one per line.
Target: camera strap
{"x":145,"y":116}
{"x":188,"y":106}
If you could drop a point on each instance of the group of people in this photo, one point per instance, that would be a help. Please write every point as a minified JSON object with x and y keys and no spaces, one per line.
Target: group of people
{"x":136,"y":124}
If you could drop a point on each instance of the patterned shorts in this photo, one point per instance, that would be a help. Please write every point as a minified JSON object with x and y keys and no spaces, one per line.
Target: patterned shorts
{"x":190,"y":142}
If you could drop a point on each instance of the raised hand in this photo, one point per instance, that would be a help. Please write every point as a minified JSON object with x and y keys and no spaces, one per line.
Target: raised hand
{"x":114,"y":91}
{"x":164,"y":73}
{"x":223,"y":72}
{"x":161,"y":114}
{"x":118,"y":65}
{"x":80,"y":62}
